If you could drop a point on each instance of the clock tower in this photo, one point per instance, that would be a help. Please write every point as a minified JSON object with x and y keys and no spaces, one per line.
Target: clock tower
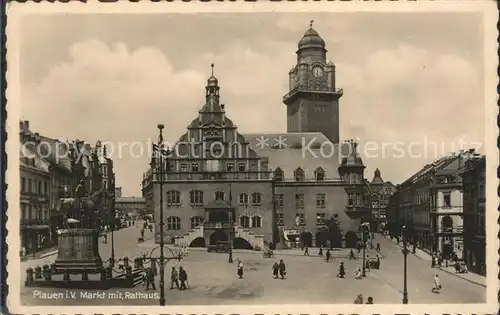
{"x":313,"y":100}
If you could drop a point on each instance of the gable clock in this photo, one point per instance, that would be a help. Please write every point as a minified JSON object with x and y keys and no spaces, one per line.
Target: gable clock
{"x":317,"y":71}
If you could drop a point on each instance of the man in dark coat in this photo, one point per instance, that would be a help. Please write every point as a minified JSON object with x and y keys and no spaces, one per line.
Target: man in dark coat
{"x":183,"y":278}
{"x":282,"y":268}
{"x":328,"y":255}
{"x":275,"y":269}
{"x":150,"y":279}
{"x":341,"y":273}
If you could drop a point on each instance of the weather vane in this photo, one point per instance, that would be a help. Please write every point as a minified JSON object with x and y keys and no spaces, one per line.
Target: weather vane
{"x":311,"y":24}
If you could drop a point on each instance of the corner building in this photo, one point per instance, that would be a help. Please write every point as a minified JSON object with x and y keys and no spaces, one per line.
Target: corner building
{"x":261,"y":189}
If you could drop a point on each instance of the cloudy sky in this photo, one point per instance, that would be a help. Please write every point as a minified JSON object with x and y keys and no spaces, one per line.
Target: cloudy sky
{"x":407,"y":78}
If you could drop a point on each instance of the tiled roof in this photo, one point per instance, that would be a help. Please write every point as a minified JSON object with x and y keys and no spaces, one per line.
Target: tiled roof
{"x":130,"y":200}
{"x":289,"y":151}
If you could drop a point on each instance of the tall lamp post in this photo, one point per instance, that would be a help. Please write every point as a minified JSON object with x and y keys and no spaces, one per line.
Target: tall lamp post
{"x":113,"y":220}
{"x":231,"y":236}
{"x":365,"y":236}
{"x":157,"y":165}
{"x":405,"y":254}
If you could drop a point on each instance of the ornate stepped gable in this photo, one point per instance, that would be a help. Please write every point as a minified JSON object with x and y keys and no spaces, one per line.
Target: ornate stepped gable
{"x":212,"y":128}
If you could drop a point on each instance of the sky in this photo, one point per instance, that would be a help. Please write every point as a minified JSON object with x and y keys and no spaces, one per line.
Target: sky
{"x":411,"y":80}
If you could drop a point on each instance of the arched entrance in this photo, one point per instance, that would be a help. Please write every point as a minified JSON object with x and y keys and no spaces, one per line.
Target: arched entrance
{"x":321,"y":238}
{"x":197,"y":242}
{"x":351,"y":239}
{"x":306,"y":239}
{"x":218,"y":236}
{"x":241,"y":243}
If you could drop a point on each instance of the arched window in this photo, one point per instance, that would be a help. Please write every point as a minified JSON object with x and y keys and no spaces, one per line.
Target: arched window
{"x":219,"y":195}
{"x":256,"y":199}
{"x":173,"y":198}
{"x":256,"y":221}
{"x":298,"y":174}
{"x":196,"y":221}
{"x":243,"y":199}
{"x":447,"y":224}
{"x":244,"y":221}
{"x":173,"y":223}
{"x":196,"y":198}
{"x":319,"y":174}
{"x":278,"y":175}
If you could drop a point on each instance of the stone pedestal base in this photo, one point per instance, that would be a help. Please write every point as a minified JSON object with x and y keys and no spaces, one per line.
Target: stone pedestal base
{"x":78,"y":251}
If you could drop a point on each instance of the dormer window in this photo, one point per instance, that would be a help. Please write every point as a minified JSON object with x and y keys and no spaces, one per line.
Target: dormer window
{"x":319,"y":174}
{"x":298,"y":175}
{"x":278,"y":175}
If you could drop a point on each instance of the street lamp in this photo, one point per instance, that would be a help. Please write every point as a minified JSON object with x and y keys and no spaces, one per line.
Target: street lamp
{"x":405,"y":254}
{"x":157,"y":163}
{"x":113,"y":220}
{"x":365,"y":235}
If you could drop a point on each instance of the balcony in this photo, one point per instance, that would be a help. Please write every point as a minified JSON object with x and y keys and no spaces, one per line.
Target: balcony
{"x":218,"y":225}
{"x":298,"y":89}
{"x":34,"y":223}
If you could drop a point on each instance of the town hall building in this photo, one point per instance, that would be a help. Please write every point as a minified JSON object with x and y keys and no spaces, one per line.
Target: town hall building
{"x":254,"y":190}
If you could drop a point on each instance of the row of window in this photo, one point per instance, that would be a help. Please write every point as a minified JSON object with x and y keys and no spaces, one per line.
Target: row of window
{"x":299,"y":175}
{"x":230,"y":167}
{"x":300,"y":218}
{"x":196,"y":198}
{"x":174,"y":223}
{"x":34,"y":186}
{"x":30,"y":212}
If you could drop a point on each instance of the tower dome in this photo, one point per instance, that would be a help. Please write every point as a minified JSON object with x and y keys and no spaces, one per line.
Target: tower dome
{"x":212,"y":81}
{"x":311,"y":39}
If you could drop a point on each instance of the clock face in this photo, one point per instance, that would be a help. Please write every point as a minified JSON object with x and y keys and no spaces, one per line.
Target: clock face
{"x":318,"y":72}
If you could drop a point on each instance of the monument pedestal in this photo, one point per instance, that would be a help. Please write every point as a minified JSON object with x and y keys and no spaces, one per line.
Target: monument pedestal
{"x":78,"y":251}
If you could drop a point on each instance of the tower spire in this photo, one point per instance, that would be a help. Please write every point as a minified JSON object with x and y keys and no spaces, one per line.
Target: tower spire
{"x":212,"y":65}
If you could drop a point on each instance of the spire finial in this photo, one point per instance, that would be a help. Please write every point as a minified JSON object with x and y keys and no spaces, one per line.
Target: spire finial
{"x":212,"y":65}
{"x":311,"y":23}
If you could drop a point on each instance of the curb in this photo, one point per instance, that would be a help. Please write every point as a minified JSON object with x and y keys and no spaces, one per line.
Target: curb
{"x":468,"y":280}
{"x":441,"y":268}
{"x":43,"y":255}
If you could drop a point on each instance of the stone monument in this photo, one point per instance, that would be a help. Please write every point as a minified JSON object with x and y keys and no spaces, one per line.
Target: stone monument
{"x":78,"y":239}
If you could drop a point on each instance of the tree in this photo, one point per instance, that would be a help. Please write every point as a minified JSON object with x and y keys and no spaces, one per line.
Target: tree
{"x":332,"y":231}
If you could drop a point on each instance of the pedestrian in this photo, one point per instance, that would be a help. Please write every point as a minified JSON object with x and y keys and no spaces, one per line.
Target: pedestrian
{"x":341,"y":273}
{"x":105,"y":238}
{"x":121,"y":265}
{"x":183,"y":277}
{"x":370,"y":300}
{"x":378,"y":247}
{"x":368,"y":262}
{"x":358,"y":247}
{"x":239,"y":268}
{"x":144,"y":277}
{"x":328,"y":255}
{"x":357,"y":273}
{"x":150,"y":279}
{"x":306,"y":251}
{"x":320,"y":253}
{"x":359,"y":299}
{"x":351,"y":254}
{"x":282,"y":269}
{"x":174,"y":279}
{"x":275,"y":269}
{"x":377,"y":263}
{"x":436,"y":287}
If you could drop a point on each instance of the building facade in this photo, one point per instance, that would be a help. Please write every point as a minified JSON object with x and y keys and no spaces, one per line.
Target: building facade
{"x":474,"y":188}
{"x":34,"y":197}
{"x":260,"y":189}
{"x":67,"y":164}
{"x":430,"y":205}
{"x":132,"y":205}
